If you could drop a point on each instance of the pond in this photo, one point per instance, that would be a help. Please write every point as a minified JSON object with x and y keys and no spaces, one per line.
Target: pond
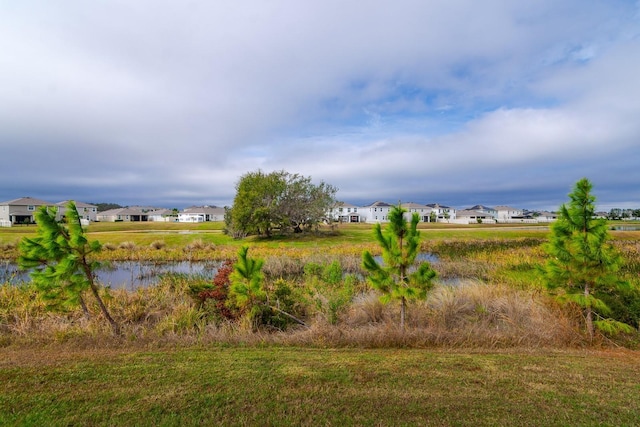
{"x":625,"y":227}
{"x":131,"y":275}
{"x":125,"y":274}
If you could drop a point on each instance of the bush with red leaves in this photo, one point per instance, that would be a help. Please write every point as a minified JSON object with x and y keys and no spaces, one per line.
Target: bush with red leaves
{"x":216,"y":297}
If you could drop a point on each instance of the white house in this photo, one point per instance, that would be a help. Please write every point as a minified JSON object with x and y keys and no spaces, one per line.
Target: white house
{"x":208,"y":213}
{"x":190,"y":217}
{"x":423,"y":211}
{"x":377,"y":212}
{"x":346,"y":212}
{"x":468,"y":216}
{"x":507,"y":213}
{"x":546,"y":216}
{"x":442,"y":213}
{"x":162,"y":215}
{"x":485,"y":210}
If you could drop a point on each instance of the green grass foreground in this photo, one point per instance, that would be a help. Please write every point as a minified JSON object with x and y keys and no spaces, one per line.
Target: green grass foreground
{"x":264,"y":386}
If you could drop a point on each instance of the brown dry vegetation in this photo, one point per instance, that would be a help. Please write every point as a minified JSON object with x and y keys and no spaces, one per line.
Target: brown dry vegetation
{"x":498,"y":300}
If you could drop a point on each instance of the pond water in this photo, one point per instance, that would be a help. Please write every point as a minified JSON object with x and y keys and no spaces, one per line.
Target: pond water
{"x":134,"y":274}
{"x":125,"y":274}
{"x":625,"y":227}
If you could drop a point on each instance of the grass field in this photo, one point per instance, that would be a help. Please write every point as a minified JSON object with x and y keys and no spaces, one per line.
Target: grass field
{"x":310,"y":386}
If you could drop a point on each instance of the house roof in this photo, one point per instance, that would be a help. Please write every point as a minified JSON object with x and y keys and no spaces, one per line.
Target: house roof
{"x":26,"y":201}
{"x":480,"y":208}
{"x":160,"y":212}
{"x":378,"y":204}
{"x":506,"y":208}
{"x":122,"y":211}
{"x":471,"y":213}
{"x":78,"y":204}
{"x":412,"y":205}
{"x":438,"y":206}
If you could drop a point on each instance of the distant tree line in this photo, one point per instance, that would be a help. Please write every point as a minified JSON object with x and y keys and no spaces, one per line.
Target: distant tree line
{"x":106,"y":206}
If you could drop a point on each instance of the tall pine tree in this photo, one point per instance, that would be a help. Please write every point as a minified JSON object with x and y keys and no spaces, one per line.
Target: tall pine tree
{"x":59,"y":260}
{"x":581,"y":262}
{"x":396,"y":278}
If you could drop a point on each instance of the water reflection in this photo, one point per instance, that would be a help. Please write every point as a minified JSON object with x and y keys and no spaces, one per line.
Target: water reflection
{"x":125,"y":274}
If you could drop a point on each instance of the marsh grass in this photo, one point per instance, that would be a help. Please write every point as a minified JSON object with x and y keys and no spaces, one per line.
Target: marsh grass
{"x":498,"y":300}
{"x":470,"y":314}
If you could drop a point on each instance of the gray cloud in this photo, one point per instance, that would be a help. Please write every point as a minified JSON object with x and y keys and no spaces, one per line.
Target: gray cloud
{"x":465,"y":102}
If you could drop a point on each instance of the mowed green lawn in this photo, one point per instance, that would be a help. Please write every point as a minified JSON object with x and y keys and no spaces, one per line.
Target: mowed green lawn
{"x":310,"y":386}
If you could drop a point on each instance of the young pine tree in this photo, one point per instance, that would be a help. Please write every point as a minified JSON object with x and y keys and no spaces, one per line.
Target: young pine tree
{"x":395,"y":278}
{"x":247,"y":292}
{"x":59,"y":260}
{"x":581,"y":263}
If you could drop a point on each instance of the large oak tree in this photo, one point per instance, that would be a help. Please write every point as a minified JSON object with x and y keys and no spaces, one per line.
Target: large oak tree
{"x":277,"y":200}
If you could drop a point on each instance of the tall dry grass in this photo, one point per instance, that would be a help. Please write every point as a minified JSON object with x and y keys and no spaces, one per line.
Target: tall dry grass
{"x":471,"y":314}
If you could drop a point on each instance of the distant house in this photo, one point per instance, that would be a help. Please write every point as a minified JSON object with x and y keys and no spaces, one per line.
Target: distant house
{"x":85,"y":211}
{"x":423,"y":211}
{"x":20,"y":211}
{"x":472,"y":216}
{"x":162,"y":215}
{"x":202,"y":214}
{"x":441,"y":213}
{"x":346,"y":212}
{"x":484,"y":209}
{"x":508,"y":214}
{"x":377,"y":212}
{"x":546,"y":216}
{"x":123,"y":214}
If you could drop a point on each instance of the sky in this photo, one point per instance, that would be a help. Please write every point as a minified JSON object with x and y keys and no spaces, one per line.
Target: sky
{"x":461,"y":102}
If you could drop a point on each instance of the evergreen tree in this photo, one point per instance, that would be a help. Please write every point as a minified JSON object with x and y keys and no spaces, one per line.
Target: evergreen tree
{"x":59,"y":260}
{"x":396,"y":278}
{"x":247,"y":292}
{"x":581,"y":263}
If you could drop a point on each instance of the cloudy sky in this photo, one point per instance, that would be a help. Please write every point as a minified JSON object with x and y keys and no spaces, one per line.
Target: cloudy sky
{"x":459,"y":102}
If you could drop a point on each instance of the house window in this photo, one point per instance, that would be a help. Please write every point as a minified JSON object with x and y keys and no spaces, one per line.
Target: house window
{"x":355,"y":210}
{"x":31,"y":208}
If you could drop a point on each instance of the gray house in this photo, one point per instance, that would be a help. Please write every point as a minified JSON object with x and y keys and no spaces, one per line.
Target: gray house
{"x":85,"y":210}
{"x":20,"y":211}
{"x":123,"y":214}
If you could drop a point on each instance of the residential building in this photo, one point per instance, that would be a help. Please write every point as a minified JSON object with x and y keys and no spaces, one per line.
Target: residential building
{"x":422,"y":210}
{"x":20,"y":211}
{"x":202,"y":214}
{"x":546,"y":216}
{"x":441,"y":213}
{"x":507,"y":214}
{"x":163,"y":215}
{"x":485,"y":210}
{"x":469,"y":216}
{"x":346,"y":212}
{"x":85,"y":211}
{"x":377,"y":212}
{"x":123,"y":214}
